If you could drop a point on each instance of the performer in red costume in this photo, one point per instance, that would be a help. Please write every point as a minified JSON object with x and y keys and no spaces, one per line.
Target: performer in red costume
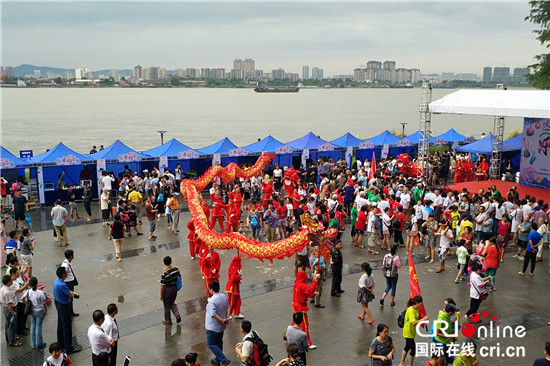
{"x":267,"y":186}
{"x":459,"y":171}
{"x":193,"y":250}
{"x":210,"y":267}
{"x":300,"y":293}
{"x":217,"y":212}
{"x":482,"y":170}
{"x":234,"y":279}
{"x":206,"y":209}
{"x":233,"y":217}
{"x":236,"y":197}
{"x":290,"y":180}
{"x":468,"y":169}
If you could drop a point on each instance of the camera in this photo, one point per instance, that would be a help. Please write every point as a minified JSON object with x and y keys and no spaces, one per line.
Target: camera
{"x":76,"y":296}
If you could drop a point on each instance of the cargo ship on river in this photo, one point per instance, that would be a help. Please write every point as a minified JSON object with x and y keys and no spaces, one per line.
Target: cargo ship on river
{"x":263,"y":89}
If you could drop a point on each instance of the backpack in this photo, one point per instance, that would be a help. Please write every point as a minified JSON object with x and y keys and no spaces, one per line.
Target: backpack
{"x":254,"y":222}
{"x":260,"y":354}
{"x":407,"y":226}
{"x":378,"y":223}
{"x":396,"y":224}
{"x":160,"y":197}
{"x":388,"y":266}
{"x":401,"y":319}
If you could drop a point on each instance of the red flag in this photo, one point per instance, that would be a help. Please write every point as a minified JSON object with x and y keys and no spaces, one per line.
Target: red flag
{"x":372,"y":167}
{"x":415,"y":286}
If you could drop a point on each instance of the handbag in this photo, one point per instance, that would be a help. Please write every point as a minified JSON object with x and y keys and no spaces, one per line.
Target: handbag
{"x":482,"y":296}
{"x":75,"y":281}
{"x":28,"y":306}
{"x":178,"y":283}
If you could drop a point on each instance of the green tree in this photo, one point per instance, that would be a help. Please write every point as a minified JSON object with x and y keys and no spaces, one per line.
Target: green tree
{"x":540,"y":14}
{"x":58,"y":80}
{"x":175,"y":81}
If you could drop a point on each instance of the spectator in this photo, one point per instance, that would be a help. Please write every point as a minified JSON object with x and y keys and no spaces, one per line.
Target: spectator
{"x":38,"y":311}
{"x":215,"y":322}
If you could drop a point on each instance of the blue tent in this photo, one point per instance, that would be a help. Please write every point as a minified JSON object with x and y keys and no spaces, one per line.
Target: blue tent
{"x":117,"y":155}
{"x":385,"y":138}
{"x":60,"y":155}
{"x":309,"y":141}
{"x":268,"y":144}
{"x":171,"y":148}
{"x":485,"y":146}
{"x":516,"y":141}
{"x":10,"y":161}
{"x":348,"y":140}
{"x":451,"y":136}
{"x":221,"y":147}
{"x":413,"y":139}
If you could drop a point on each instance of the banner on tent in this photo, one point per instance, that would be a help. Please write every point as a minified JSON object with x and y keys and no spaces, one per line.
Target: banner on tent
{"x":535,"y":167}
{"x":404,"y":143}
{"x":40,"y":176}
{"x":366,"y":145}
{"x":6,"y":163}
{"x":163,"y":162}
{"x":238,"y":152}
{"x":325,"y":147}
{"x":216,"y":159}
{"x":305,"y":156}
{"x":349,"y":154}
{"x":129,"y":157}
{"x":440,"y":141}
{"x":285,"y":149}
{"x":101,"y":164}
{"x":189,"y":154}
{"x":469,"y":140}
{"x":67,"y":160}
{"x":385,"y":151}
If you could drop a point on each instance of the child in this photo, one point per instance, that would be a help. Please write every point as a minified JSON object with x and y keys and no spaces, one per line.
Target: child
{"x":242,"y":229}
{"x":461,"y":254}
{"x":57,"y":358}
{"x":365,"y":294}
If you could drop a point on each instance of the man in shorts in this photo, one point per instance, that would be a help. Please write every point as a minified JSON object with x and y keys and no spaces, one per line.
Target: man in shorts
{"x":523,"y":237}
{"x":19,"y":207}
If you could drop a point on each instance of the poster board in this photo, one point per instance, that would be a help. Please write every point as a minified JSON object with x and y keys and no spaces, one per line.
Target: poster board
{"x":535,"y":153}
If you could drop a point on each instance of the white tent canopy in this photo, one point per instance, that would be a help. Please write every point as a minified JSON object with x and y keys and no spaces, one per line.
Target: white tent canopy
{"x":505,"y":103}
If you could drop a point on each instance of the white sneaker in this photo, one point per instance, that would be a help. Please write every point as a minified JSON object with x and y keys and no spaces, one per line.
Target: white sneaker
{"x":515,"y":256}
{"x":192,"y":258}
{"x":520,"y":258}
{"x":240,"y":316}
{"x":230,"y":317}
{"x":312,"y":346}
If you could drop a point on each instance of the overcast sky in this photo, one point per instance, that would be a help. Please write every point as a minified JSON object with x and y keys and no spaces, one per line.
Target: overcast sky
{"x":336,"y":36}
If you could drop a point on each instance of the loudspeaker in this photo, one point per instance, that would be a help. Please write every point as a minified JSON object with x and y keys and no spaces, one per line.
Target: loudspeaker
{"x":445,"y":162}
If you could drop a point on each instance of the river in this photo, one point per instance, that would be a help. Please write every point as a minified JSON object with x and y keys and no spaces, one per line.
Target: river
{"x":38,"y":119}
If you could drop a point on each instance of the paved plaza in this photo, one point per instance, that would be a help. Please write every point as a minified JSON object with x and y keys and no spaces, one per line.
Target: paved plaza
{"x":341,"y":338}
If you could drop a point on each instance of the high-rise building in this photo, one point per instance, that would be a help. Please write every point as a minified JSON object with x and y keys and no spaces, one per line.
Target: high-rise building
{"x":448,"y":76}
{"x":238,"y":64}
{"x":487,"y":74}
{"x":501,"y":74}
{"x":37,"y":74}
{"x":520,"y":74}
{"x":218,"y":73}
{"x":162,"y":73}
{"x":373,"y":70}
{"x":138,"y":72}
{"x":237,"y":73}
{"x":278,"y":74}
{"x":146,"y":73}
{"x":249,"y":67}
{"x":414,"y":75}
{"x":8,"y":71}
{"x":258,"y":74}
{"x":359,"y":74}
{"x":79,"y":73}
{"x":178,"y":72}
{"x":69,"y":75}
{"x":294,"y":76}
{"x":154,"y":73}
{"x":114,"y":74}
{"x":316,"y":73}
{"x":388,"y":71}
{"x":191,"y":73}
{"x":305,"y":72}
{"x":206,"y":73}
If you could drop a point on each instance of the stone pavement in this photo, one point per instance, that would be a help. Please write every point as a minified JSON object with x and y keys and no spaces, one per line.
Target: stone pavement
{"x":341,"y":338}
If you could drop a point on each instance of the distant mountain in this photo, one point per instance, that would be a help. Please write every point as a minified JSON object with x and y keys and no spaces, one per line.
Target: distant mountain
{"x":27,"y":69}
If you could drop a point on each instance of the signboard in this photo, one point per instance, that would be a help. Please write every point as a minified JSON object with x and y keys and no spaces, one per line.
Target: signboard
{"x":440,"y":141}
{"x":385,"y":151}
{"x":305,"y":156}
{"x":469,"y":140}
{"x":325,"y":147}
{"x":366,"y":145}
{"x":163,"y":163}
{"x":40,"y":176}
{"x":100,"y":167}
{"x":129,"y":157}
{"x":6,"y":163}
{"x":216,"y":159}
{"x":535,"y":153}
{"x":24,"y":154}
{"x":455,"y":145}
{"x":238,"y":152}
{"x":101,"y":164}
{"x":67,"y":160}
{"x":189,"y":154}
{"x":349,"y":155}
{"x":285,"y":149}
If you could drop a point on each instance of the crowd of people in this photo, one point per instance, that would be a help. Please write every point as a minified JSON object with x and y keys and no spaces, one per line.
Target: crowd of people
{"x":377,"y":205}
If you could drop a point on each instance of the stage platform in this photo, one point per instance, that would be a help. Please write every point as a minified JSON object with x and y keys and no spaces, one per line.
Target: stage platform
{"x":503,"y":187}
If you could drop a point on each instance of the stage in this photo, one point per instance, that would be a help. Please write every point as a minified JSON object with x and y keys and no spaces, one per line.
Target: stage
{"x":503,"y":187}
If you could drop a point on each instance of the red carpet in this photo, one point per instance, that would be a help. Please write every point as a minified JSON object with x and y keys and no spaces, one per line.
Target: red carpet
{"x":503,"y":187}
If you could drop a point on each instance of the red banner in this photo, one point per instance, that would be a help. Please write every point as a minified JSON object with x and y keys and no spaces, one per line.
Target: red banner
{"x":415,"y":286}
{"x":372,"y":167}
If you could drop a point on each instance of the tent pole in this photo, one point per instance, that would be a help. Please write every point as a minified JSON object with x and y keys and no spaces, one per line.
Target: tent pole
{"x":425,"y":130}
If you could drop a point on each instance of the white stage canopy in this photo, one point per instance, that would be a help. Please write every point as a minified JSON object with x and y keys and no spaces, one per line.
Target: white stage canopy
{"x":505,"y":103}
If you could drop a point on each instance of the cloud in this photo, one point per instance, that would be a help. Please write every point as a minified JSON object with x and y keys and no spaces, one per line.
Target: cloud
{"x":335,"y":36}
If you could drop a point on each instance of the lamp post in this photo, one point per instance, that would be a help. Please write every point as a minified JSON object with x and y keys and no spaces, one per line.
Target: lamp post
{"x":162,"y":136}
{"x":403,"y":124}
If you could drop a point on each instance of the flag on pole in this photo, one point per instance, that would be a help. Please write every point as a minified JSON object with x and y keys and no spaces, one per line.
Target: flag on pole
{"x":372,"y":167}
{"x":415,"y":286}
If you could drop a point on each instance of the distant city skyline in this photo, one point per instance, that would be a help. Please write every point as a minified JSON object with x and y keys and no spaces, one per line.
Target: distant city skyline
{"x":336,"y":37}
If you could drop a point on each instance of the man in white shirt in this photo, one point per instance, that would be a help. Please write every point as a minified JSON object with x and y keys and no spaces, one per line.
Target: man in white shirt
{"x":59,"y":215}
{"x":405,"y":199}
{"x":99,"y":341}
{"x":245,"y":348}
{"x":429,"y":195}
{"x":361,"y":201}
{"x":110,"y":326}
{"x":70,"y":280}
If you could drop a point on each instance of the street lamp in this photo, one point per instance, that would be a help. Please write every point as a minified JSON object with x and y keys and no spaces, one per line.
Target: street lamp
{"x":162,"y":136}
{"x":404,"y":124}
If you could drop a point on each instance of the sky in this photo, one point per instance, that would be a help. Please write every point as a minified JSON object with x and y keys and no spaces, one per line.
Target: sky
{"x":434,"y":37}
